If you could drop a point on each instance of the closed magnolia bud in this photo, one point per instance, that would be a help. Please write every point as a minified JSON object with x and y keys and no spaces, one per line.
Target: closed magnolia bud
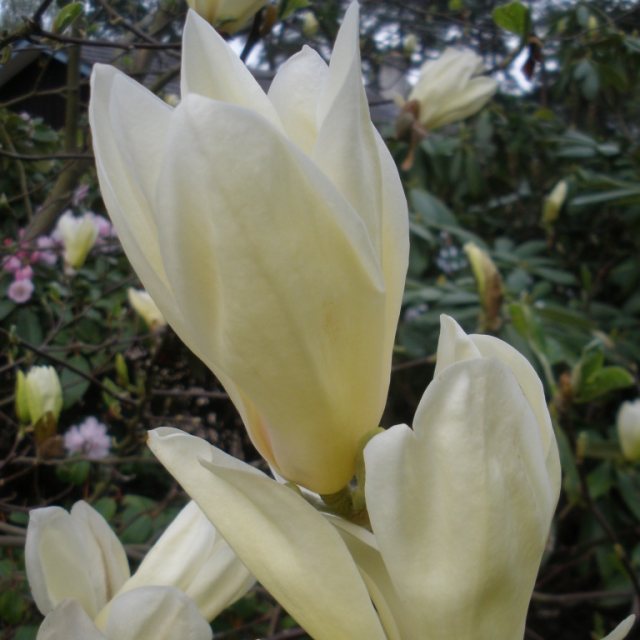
{"x":78,"y":235}
{"x":309,"y":24}
{"x":38,"y":393}
{"x":628,"y":424}
{"x":228,"y":15}
{"x":553,"y":203}
{"x":410,"y":44}
{"x":22,"y":405}
{"x":489,"y":284}
{"x":451,"y":88}
{"x":146,"y":308}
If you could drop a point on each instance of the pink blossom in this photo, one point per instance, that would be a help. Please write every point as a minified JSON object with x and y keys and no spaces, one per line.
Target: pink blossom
{"x":89,"y":438}
{"x":20,"y":291}
{"x":12,"y":264}
{"x":46,"y":253}
{"x":25,"y":273}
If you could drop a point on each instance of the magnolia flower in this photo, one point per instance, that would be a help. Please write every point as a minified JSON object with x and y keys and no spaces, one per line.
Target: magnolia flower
{"x":489,"y":283}
{"x":88,"y":438}
{"x":146,"y":308}
{"x":628,"y":425}
{"x":229,"y":15}
{"x":37,"y":394}
{"x":79,"y":577}
{"x":78,"y":235}
{"x":272,"y":233}
{"x":459,"y":509}
{"x":451,"y":88}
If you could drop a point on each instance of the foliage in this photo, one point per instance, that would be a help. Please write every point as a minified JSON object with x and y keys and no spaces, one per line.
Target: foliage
{"x":570,"y":301}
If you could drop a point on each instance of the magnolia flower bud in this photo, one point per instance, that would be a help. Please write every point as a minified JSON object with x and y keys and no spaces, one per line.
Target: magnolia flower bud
{"x":451,"y":88}
{"x":78,"y":236}
{"x":553,"y":203}
{"x":146,"y":308}
{"x":628,"y":425}
{"x":410,"y":44}
{"x":309,"y":24}
{"x":38,"y":393}
{"x":229,"y":15}
{"x":489,"y":284}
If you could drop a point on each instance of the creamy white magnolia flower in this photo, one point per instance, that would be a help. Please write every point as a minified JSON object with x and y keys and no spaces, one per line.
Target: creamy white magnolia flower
{"x":451,"y":88}
{"x":272,"y":233}
{"x":459,"y":506}
{"x":146,"y":308}
{"x":553,"y":203}
{"x":79,"y":577}
{"x":628,"y":425}
{"x":78,"y":234}
{"x":229,"y":15}
{"x":37,"y":393}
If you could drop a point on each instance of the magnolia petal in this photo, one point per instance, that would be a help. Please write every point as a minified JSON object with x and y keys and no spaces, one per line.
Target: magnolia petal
{"x":296,"y":91}
{"x":461,"y":507}
{"x":109,"y":549}
{"x":239,"y":275}
{"x":281,"y":538}
{"x":191,"y":556}
{"x":161,"y":613}
{"x":455,"y":345}
{"x":211,"y":68}
{"x":621,"y":631}
{"x":346,"y":148}
{"x":68,"y":621}
{"x":60,"y":564}
{"x":117,"y":140}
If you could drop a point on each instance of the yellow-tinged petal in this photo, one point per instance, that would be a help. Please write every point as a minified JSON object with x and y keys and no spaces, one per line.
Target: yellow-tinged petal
{"x":622,"y":630}
{"x":154,"y":613}
{"x":68,"y":621}
{"x":212,"y":69}
{"x":461,"y":506}
{"x":290,"y":547}
{"x":193,"y":557}
{"x":315,"y":372}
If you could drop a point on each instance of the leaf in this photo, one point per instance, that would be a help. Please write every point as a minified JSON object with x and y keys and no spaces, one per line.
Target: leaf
{"x":629,"y":489}
{"x":67,"y":16}
{"x":514,"y":17}
{"x":74,"y":385}
{"x":602,"y":381}
{"x":290,"y":6}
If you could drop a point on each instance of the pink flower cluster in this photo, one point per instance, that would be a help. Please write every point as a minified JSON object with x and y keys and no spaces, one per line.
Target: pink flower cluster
{"x":20,"y":262}
{"x":88,"y":438}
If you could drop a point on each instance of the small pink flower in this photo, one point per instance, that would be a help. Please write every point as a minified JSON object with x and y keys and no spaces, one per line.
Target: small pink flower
{"x":11,"y":264}
{"x":89,"y":438}
{"x":46,"y":253}
{"x":20,"y":291}
{"x":25,"y":273}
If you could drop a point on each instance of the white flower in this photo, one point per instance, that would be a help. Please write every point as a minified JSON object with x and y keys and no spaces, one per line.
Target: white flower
{"x":78,"y":235}
{"x":451,"y":88}
{"x":628,"y":425}
{"x":272,"y":233}
{"x":38,"y":393}
{"x":88,"y":438}
{"x":79,"y":578}
{"x":459,"y":507}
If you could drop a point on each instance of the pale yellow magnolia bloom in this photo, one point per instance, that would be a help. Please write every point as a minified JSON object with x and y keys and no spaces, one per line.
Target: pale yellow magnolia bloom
{"x":628,"y":425}
{"x":229,"y":15}
{"x":78,"y":235}
{"x":79,"y":577}
{"x":146,"y":308}
{"x":451,"y":88}
{"x":460,"y":508}
{"x":37,"y":393}
{"x":489,"y":283}
{"x":272,"y":233}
